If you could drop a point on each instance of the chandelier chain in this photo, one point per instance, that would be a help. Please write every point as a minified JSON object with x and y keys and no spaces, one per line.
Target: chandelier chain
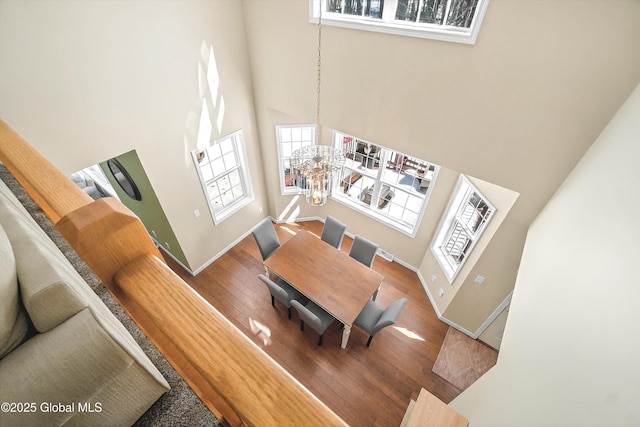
{"x":314,"y":165}
{"x":318,"y":74}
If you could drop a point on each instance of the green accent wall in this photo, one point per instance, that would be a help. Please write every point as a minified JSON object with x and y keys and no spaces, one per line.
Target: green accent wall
{"x":148,"y":209}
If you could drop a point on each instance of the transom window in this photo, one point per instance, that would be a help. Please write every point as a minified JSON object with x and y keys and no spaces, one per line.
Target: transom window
{"x":224,"y":176}
{"x":289,"y":139}
{"x":449,"y":20}
{"x":390,"y":186}
{"x":465,"y":219}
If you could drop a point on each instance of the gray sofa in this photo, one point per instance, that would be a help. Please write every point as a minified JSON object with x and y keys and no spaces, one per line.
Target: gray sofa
{"x":64,"y":358}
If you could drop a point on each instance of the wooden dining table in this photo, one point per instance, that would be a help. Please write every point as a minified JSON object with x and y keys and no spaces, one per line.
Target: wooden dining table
{"x":332,"y":279}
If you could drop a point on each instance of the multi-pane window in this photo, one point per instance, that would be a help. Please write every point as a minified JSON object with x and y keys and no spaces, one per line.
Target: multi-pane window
{"x":291,"y":138}
{"x":367,"y":8}
{"x":465,"y":220}
{"x":451,"y":20}
{"x":224,"y":175}
{"x":383,"y":183}
{"x":453,"y":13}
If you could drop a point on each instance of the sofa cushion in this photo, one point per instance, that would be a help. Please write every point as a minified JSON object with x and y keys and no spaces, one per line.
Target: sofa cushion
{"x":14,"y":325}
{"x":50,"y":289}
{"x":70,"y":363}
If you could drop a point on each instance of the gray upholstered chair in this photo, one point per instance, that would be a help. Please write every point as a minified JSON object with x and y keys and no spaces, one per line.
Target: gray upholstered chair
{"x":313,"y":315}
{"x":363,"y":250}
{"x":373,"y":317}
{"x":266,"y":238}
{"x":333,"y":232}
{"x":281,"y":291}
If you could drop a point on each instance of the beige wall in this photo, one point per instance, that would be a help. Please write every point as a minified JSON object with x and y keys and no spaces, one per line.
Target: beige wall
{"x":517,"y":109}
{"x":495,"y":257}
{"x":84,"y":81}
{"x":569,"y":356}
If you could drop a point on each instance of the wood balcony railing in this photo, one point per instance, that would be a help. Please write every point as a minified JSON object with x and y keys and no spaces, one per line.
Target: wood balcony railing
{"x":238,"y":381}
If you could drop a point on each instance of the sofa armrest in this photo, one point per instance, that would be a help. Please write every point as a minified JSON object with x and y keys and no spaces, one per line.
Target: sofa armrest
{"x":69,"y":364}
{"x":52,"y":291}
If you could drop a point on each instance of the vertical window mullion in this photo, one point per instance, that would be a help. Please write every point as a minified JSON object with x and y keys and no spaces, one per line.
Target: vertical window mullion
{"x":377,"y":186}
{"x":420,"y":6}
{"x":389,"y":10}
{"x":447,"y":11}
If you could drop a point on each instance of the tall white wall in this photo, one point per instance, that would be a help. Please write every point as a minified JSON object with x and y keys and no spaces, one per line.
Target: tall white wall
{"x":570,"y":352}
{"x":84,"y":81}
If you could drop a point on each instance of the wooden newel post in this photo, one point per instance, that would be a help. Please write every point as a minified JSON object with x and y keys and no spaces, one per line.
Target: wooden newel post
{"x":107,"y":235}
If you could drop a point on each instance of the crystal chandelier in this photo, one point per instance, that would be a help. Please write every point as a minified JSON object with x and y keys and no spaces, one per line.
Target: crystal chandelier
{"x":314,"y":166}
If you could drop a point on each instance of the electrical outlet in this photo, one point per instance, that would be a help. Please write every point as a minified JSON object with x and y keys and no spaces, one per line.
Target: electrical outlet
{"x":441,"y":293}
{"x":166,"y":245}
{"x":479,"y":280}
{"x":196,"y":213}
{"x":153,"y":233}
{"x":433,"y":278}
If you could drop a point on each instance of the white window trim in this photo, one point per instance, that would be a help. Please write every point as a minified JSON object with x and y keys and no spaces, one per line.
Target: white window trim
{"x":409,"y":29}
{"x":226,"y":212}
{"x":337,"y":195}
{"x":284,"y":190}
{"x":451,"y":271}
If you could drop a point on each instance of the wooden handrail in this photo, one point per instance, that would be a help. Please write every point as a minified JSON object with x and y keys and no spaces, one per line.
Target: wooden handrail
{"x":43,"y":181}
{"x":238,"y":381}
{"x":259,"y":390}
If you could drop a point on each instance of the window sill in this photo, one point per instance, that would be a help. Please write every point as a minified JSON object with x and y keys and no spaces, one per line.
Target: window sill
{"x":291,"y":191}
{"x":225,"y":213}
{"x":411,"y":232}
{"x":450,"y":272}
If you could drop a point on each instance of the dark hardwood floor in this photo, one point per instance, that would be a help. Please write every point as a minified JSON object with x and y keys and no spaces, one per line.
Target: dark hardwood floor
{"x":365,"y":386}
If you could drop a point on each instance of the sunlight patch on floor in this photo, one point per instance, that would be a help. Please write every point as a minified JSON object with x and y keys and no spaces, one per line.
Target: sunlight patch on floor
{"x":410,"y":334}
{"x":260,"y":331}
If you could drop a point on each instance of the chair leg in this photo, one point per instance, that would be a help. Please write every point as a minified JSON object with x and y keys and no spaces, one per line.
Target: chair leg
{"x":273,"y":301}
{"x":302,"y":325}
{"x":320,"y":340}
{"x":369,"y":341}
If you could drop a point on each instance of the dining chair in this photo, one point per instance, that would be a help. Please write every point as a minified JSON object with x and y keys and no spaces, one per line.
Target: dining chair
{"x":373,"y":317}
{"x":333,"y":232}
{"x":363,"y":250}
{"x":266,"y":238}
{"x":281,"y":291}
{"x":313,"y":315}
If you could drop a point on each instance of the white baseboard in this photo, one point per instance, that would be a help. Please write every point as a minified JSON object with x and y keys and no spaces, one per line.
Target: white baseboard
{"x":166,"y":252}
{"x":433,"y":302}
{"x":238,"y":240}
{"x":382,"y":253}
